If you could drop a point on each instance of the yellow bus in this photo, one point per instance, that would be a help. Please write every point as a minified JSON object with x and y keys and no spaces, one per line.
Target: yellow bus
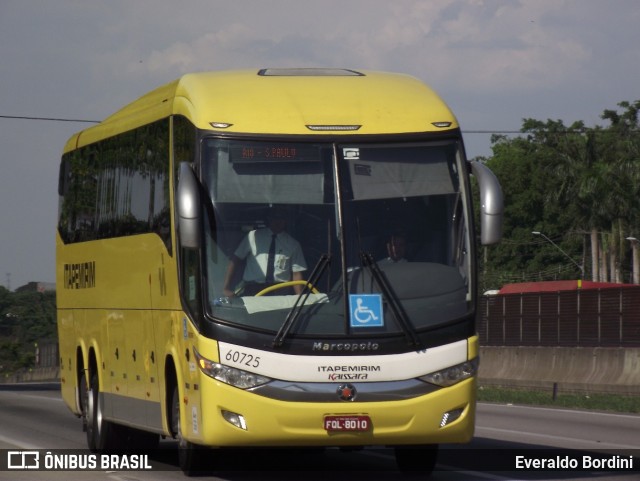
{"x":364,"y":332}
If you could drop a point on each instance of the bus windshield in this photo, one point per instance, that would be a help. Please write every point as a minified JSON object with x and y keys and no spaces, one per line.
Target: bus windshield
{"x":375,"y":237}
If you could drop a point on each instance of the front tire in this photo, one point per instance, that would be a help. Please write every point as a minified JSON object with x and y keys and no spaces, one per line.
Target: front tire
{"x":190,"y":455}
{"x":417,"y":460}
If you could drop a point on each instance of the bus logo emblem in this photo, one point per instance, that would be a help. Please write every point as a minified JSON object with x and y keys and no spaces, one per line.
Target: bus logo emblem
{"x":366,"y":310}
{"x":347,"y":392}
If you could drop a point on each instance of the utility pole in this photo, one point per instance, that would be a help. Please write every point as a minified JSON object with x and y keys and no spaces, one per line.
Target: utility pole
{"x":636,"y":259}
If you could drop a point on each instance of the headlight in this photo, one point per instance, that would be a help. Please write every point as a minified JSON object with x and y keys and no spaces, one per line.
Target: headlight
{"x":229,"y":375}
{"x":452,"y":375}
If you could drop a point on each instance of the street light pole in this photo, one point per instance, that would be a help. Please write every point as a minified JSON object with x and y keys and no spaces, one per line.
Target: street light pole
{"x":636,"y":259}
{"x":563,"y":252}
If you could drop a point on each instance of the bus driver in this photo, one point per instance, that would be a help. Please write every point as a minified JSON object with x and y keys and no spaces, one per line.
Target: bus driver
{"x":272,"y":256}
{"x":396,"y":247}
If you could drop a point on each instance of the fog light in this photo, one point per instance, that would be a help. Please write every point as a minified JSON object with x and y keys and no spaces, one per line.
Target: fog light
{"x":234,"y":418}
{"x":450,"y":416}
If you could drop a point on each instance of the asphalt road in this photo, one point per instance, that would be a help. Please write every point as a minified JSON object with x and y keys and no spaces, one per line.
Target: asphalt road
{"x":505,"y":435}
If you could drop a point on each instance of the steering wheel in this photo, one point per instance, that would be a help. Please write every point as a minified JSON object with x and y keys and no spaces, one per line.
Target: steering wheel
{"x":282,"y":285}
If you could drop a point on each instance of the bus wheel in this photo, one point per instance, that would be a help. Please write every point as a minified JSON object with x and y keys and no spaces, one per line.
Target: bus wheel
{"x":417,"y":459}
{"x":84,"y":401}
{"x":101,"y":434}
{"x":190,"y":456}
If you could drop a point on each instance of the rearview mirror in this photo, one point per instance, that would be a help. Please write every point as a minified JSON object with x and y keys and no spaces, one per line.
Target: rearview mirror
{"x":189,"y":207}
{"x":491,"y":204}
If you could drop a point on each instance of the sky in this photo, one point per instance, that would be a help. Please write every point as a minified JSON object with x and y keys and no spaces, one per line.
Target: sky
{"x":495,"y":62}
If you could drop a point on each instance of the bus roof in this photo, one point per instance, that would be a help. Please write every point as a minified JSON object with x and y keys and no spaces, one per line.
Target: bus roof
{"x":286,"y":101}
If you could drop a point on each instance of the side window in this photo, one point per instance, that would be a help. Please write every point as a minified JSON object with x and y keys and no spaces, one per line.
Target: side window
{"x":184,"y":140}
{"x":78,"y":191}
{"x":117,"y":187}
{"x":159,"y":213}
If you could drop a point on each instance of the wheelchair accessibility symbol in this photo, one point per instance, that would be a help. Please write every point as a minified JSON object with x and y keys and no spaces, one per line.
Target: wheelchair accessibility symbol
{"x":366,"y":310}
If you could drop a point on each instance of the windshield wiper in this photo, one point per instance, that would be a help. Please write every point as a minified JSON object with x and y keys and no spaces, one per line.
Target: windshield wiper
{"x":296,"y":309}
{"x":389,"y":294}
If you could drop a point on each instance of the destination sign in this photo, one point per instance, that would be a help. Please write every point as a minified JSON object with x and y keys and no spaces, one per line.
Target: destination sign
{"x":272,"y":151}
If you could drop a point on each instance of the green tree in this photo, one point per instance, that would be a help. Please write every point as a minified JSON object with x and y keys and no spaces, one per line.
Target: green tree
{"x":518,"y":174}
{"x":25,"y":318}
{"x":580,"y":181}
{"x":620,"y":151}
{"x":524,"y":165}
{"x":579,"y":186}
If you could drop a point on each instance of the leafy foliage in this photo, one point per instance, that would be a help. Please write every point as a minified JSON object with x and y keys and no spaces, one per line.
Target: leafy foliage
{"x":578,"y":186}
{"x":25,"y":318}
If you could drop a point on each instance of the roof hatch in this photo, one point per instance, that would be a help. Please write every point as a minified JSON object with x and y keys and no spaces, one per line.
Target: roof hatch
{"x":309,"y":72}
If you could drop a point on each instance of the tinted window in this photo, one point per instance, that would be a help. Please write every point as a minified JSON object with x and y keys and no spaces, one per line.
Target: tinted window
{"x":117,"y":187}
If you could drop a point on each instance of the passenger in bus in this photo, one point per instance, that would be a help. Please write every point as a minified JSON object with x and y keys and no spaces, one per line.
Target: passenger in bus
{"x":272,"y":256}
{"x":396,"y":248}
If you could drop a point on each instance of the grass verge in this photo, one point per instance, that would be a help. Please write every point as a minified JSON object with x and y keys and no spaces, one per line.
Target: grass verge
{"x":598,"y":402}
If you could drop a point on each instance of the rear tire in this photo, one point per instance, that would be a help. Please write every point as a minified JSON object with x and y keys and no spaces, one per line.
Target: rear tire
{"x":102,"y":435}
{"x":84,"y":399}
{"x":417,"y":460}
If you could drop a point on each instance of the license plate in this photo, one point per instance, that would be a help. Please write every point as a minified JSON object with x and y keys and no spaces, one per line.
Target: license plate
{"x":347,"y":423}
